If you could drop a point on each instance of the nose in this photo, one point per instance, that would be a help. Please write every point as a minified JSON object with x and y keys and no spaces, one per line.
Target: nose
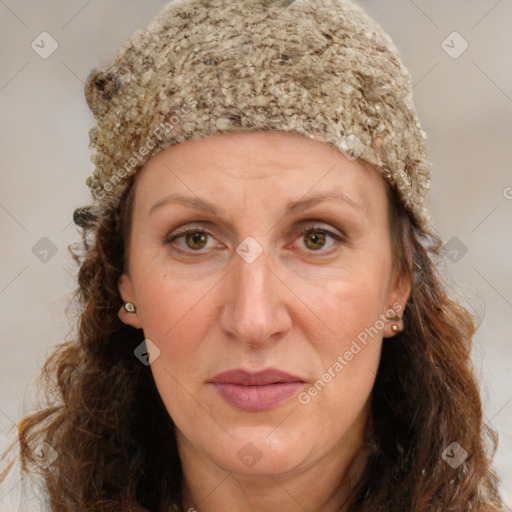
{"x":254,"y":308}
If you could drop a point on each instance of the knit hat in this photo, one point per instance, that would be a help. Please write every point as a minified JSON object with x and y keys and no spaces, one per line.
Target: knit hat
{"x":319,"y":68}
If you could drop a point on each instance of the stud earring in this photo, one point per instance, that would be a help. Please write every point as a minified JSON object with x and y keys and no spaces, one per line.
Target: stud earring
{"x":395,"y":327}
{"x":129,"y":307}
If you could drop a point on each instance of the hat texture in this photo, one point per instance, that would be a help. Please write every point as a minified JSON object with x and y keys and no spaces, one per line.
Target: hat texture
{"x":319,"y":68}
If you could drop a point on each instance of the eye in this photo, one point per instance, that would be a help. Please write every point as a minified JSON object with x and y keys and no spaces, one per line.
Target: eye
{"x":195,"y":238}
{"x":315,"y":237}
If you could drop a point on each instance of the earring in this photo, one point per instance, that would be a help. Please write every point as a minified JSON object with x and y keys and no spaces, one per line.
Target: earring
{"x":129,"y":307}
{"x":395,"y":327}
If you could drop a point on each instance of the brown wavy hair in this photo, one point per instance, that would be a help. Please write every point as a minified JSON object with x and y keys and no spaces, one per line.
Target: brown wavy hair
{"x":115,"y":439}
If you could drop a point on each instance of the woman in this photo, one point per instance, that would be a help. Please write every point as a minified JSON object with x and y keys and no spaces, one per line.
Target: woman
{"x":262,"y":326}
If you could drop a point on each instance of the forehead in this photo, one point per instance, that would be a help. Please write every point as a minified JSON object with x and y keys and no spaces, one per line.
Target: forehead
{"x":255,"y":167}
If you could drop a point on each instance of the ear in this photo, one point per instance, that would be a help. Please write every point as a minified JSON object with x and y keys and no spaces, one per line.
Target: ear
{"x":127,"y":291}
{"x":397,"y":297}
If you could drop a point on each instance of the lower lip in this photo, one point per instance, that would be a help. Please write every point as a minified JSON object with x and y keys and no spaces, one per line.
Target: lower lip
{"x":257,"y":398}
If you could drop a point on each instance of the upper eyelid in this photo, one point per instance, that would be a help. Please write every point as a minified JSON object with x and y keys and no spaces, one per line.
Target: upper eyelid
{"x":335,"y":233}
{"x":302,"y":225}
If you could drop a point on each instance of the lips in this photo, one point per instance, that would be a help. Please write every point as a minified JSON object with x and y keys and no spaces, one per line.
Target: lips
{"x":258,"y":391}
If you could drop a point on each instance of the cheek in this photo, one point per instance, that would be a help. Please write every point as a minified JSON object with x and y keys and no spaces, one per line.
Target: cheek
{"x":344,"y":303}
{"x":167,"y":304}
{"x":175,"y":319}
{"x":353,"y":315}
{"x":345,"y":362}
{"x":178,"y":315}
{"x":346,"y":337}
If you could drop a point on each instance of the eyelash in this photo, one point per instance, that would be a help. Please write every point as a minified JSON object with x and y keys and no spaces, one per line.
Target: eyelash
{"x":197,"y":229}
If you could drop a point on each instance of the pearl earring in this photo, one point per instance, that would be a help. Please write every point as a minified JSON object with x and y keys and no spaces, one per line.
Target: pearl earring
{"x":129,"y":307}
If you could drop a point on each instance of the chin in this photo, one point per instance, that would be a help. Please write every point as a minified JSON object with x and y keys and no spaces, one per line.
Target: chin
{"x":261,"y":450}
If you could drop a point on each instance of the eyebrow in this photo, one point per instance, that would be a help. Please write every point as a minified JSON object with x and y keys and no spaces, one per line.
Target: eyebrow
{"x":300,"y":205}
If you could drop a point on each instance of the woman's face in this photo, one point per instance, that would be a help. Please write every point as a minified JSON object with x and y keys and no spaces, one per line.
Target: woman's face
{"x":300,"y":317}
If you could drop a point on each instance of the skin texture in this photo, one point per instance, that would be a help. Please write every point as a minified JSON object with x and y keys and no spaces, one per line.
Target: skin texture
{"x":297,"y":307}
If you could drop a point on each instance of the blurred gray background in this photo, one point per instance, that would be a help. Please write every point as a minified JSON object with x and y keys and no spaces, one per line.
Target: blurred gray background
{"x":459,"y":53}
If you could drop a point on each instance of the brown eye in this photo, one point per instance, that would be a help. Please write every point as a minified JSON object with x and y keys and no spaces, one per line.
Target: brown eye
{"x":316,"y":237}
{"x":196,"y":239}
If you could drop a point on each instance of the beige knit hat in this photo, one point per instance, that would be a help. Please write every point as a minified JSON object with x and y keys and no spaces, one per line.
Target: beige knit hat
{"x":319,"y":68}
